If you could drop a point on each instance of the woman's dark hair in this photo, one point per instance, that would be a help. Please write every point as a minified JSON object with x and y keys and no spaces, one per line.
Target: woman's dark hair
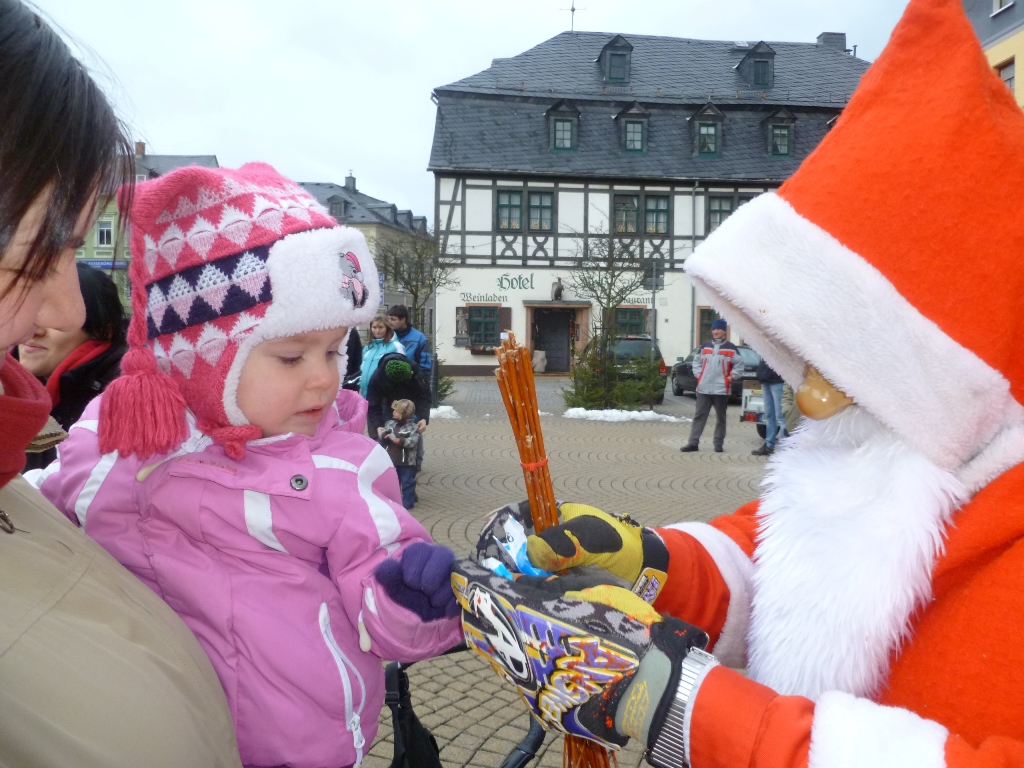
{"x":56,"y":130}
{"x":104,"y":315}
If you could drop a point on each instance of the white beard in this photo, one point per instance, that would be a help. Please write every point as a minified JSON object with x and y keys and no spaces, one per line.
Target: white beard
{"x":853,"y":521}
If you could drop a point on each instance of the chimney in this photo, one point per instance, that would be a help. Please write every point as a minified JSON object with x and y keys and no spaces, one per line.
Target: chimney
{"x":835,"y":40}
{"x":350,"y":182}
{"x":140,"y":148}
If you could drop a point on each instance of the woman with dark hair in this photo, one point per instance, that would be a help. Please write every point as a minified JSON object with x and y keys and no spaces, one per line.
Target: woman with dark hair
{"x":95,"y":669}
{"x":77,"y":365}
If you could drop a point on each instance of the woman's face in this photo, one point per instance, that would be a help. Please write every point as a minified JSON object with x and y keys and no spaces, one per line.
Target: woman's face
{"x":47,"y":349}
{"x":53,"y":302}
{"x":378,"y":330}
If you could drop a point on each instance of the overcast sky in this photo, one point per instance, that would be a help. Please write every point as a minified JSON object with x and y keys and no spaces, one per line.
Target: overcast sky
{"x":319,"y":87}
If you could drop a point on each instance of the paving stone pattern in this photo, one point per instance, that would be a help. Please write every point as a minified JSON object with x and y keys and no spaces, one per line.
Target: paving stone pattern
{"x":471,"y":467}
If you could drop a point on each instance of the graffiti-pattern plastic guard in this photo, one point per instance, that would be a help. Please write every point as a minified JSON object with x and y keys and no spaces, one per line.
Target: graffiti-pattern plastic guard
{"x":557,"y":651}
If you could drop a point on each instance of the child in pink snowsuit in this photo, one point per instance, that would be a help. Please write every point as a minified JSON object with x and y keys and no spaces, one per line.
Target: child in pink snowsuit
{"x":225,"y":469}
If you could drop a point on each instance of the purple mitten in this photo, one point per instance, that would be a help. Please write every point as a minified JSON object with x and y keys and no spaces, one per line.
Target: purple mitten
{"x":420,"y":580}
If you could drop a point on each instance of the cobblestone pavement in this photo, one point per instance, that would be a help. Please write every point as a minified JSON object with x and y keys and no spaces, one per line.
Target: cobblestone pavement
{"x":471,"y":467}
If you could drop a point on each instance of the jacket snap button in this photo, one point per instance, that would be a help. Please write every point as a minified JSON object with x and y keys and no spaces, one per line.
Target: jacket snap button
{"x":299,"y":482}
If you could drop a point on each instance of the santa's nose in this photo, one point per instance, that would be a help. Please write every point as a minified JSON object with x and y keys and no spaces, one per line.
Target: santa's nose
{"x":817,"y":398}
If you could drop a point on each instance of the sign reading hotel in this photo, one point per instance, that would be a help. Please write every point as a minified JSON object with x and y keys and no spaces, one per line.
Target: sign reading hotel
{"x":504,"y":282}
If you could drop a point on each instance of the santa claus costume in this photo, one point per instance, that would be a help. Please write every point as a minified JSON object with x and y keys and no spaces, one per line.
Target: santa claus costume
{"x":873,"y":594}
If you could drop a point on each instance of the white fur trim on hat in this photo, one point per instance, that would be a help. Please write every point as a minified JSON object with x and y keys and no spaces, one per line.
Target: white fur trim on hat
{"x":317,"y":280}
{"x":797,"y":295}
{"x":857,"y":733}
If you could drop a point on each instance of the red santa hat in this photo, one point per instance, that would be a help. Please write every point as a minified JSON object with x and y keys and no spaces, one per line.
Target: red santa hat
{"x":893,"y":259}
{"x":222,"y":260}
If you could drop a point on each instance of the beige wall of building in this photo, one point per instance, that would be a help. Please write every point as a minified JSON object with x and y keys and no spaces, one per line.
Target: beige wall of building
{"x":1009,"y":49}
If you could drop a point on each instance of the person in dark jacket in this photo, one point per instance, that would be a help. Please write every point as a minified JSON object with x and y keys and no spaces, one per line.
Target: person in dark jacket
{"x":775,"y":422}
{"x":396,"y":378}
{"x":77,"y":365}
{"x":354,"y":362}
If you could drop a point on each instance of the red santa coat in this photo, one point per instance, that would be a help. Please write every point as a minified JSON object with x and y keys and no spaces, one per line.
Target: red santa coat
{"x":963,"y":668}
{"x":872,"y":264}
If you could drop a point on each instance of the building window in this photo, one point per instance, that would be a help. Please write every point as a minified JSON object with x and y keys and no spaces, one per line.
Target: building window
{"x":762,"y":73}
{"x":139,"y":177}
{"x":483,"y":326}
{"x":626,"y":213}
{"x":104,"y":233}
{"x":999,"y":5}
{"x":707,"y":139}
{"x":617,"y":65}
{"x":655,"y":215}
{"x":629,"y":322}
{"x":719,"y":209}
{"x":1006,"y":72}
{"x":540,"y":211}
{"x":634,"y":137}
{"x":563,"y":134}
{"x":510,"y":210}
{"x":780,"y":139}
{"x":337,"y":208}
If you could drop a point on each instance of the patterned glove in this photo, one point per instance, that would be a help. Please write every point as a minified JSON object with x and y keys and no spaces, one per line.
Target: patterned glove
{"x":598,"y":663}
{"x":588,"y":536}
{"x":420,"y":580}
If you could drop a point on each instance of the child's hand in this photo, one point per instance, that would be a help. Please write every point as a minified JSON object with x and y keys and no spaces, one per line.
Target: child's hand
{"x":393,"y":439}
{"x":420,"y":580}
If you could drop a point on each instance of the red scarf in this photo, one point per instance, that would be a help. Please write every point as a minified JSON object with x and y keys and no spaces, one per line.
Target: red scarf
{"x":83,"y":353}
{"x":24,"y":408}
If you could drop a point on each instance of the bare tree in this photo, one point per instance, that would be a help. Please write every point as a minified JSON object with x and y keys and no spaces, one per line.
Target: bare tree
{"x":609,"y":271}
{"x":414,"y":263}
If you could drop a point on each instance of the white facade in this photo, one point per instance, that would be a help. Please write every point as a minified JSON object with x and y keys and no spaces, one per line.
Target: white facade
{"x":511,"y":270}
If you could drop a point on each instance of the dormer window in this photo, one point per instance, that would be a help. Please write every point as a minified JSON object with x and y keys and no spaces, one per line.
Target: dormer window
{"x":707,"y":139}
{"x":762,"y":74}
{"x":779,"y":127}
{"x":633,"y":122}
{"x":563,"y":126}
{"x":336,"y":207}
{"x":618,"y":68}
{"x":757,"y":67}
{"x":706,"y":127}
{"x":614,"y":60}
{"x":634,"y":137}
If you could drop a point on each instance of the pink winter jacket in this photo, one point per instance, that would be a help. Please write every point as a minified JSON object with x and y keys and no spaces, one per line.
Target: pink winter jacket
{"x":269,"y":561}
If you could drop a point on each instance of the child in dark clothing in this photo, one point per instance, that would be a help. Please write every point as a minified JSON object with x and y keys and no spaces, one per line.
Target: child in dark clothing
{"x":400,"y":437}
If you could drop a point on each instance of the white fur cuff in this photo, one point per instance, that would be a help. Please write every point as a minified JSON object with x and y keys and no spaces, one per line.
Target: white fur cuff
{"x":737,"y":570}
{"x":857,"y":733}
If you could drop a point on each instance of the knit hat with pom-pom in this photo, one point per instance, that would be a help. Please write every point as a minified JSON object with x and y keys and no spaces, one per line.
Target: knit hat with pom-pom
{"x":221,"y":261}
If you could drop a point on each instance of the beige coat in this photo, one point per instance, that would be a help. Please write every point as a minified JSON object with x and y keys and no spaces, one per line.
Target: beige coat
{"x":95,"y":669}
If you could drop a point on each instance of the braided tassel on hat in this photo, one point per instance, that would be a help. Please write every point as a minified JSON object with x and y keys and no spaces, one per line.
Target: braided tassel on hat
{"x":142,"y":411}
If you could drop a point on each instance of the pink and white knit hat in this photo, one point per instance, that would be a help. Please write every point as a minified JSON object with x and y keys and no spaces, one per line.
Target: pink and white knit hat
{"x":222,"y":260}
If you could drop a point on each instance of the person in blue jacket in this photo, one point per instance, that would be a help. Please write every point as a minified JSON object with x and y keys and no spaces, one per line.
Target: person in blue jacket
{"x":417,"y":347}
{"x":382,"y":342}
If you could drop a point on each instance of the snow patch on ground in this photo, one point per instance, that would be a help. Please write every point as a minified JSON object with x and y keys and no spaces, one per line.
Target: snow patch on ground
{"x":443,"y":412}
{"x":544,"y":413}
{"x":613,"y":414}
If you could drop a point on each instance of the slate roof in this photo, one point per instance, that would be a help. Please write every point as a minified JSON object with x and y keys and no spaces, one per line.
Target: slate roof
{"x":364,"y":209}
{"x":494,"y":121}
{"x":669,"y":69}
{"x":158,"y":165}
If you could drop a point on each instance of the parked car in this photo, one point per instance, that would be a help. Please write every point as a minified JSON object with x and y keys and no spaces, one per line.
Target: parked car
{"x":684,"y":381}
{"x":626,"y":348}
{"x":752,"y":411}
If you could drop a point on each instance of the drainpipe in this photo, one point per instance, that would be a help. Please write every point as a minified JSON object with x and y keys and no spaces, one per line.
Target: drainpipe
{"x":693,"y":246}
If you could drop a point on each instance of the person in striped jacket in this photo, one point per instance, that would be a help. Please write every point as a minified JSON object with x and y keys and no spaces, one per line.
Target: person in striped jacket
{"x":717,"y":367}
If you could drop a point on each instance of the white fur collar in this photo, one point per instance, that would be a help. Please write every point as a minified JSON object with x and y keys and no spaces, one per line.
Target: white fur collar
{"x":853,"y":521}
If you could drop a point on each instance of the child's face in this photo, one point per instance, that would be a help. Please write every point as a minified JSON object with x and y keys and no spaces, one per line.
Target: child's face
{"x":288,"y":384}
{"x":398,"y":415}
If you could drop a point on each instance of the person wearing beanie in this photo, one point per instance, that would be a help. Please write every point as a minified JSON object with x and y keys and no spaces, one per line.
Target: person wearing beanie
{"x":227,"y":471}
{"x":717,"y":367}
{"x":400,"y":437}
{"x":871,"y":596}
{"x":396,"y":378}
